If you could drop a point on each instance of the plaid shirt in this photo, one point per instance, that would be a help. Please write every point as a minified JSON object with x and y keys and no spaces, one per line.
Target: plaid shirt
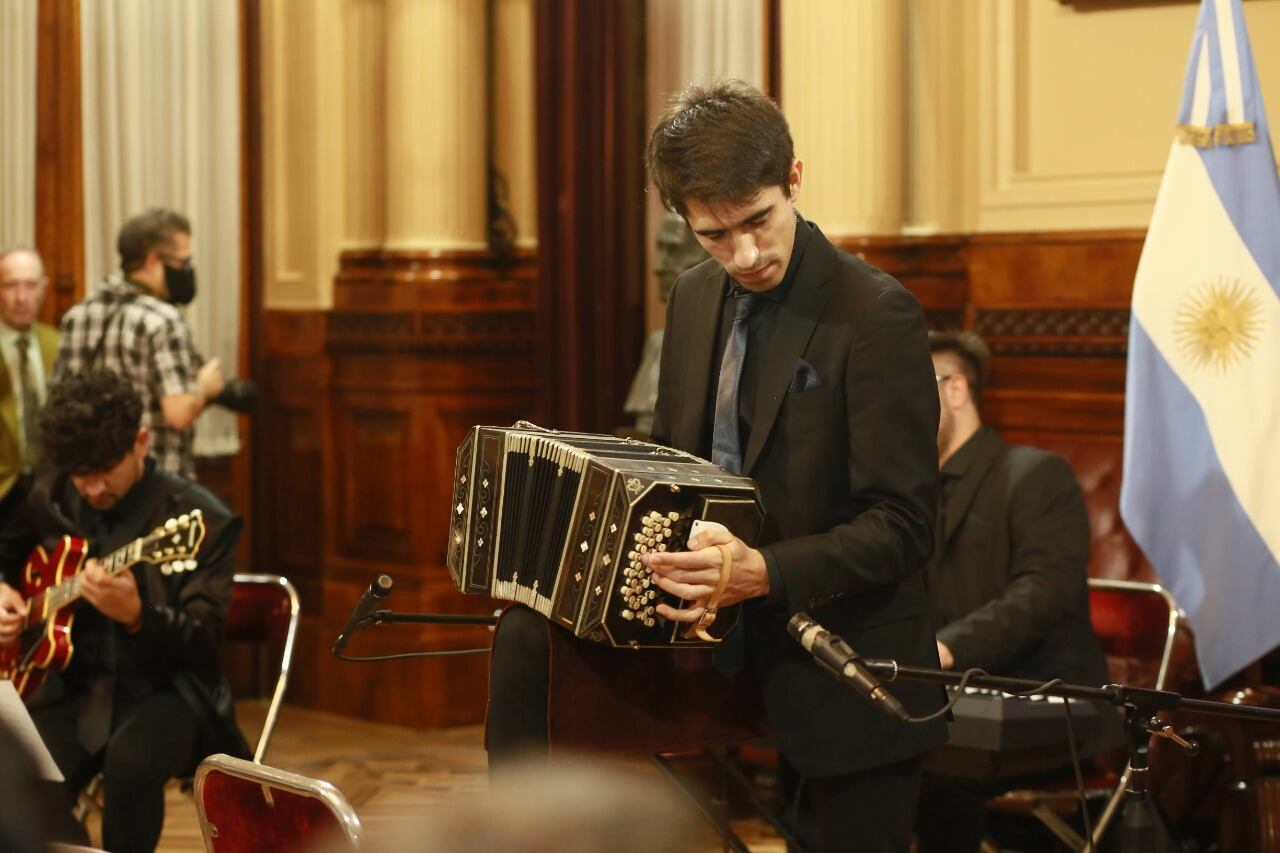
{"x":125,"y":329}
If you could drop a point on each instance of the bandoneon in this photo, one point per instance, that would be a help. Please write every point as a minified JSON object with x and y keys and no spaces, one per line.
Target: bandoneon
{"x":558,"y":521}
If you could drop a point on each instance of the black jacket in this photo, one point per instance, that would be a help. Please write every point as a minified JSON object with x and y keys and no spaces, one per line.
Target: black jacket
{"x":848,"y":474}
{"x":1009,"y":587}
{"x":183,"y":612}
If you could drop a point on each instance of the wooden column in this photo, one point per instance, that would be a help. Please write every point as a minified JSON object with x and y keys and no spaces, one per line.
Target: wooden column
{"x":59,"y":163}
{"x":590,"y":100}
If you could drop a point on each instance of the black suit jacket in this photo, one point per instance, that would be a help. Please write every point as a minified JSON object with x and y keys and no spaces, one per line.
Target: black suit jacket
{"x":1009,"y":584}
{"x":848,"y":474}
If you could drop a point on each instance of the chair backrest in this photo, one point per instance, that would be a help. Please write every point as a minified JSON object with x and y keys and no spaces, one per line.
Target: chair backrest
{"x":246,"y":807}
{"x":265,"y":610}
{"x":1138,"y":625}
{"x":1098,"y":463}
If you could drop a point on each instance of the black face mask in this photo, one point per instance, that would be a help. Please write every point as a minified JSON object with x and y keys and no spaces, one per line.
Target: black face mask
{"x":181,"y":284}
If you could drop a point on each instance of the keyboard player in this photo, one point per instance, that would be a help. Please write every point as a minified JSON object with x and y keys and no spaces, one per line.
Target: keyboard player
{"x":1007,"y":580}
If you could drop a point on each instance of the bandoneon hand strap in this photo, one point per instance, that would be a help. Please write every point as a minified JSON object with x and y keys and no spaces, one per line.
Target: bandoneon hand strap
{"x":708,"y":617}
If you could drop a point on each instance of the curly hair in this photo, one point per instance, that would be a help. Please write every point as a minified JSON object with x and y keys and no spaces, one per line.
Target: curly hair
{"x":90,"y":422}
{"x":719,"y":143}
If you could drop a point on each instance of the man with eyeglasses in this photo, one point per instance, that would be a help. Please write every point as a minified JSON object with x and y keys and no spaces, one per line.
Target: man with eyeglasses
{"x":132,"y":327}
{"x":27,"y":351}
{"x":1007,"y":580}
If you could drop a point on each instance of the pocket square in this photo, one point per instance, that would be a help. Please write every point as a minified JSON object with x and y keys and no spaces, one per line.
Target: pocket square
{"x":805,"y":378}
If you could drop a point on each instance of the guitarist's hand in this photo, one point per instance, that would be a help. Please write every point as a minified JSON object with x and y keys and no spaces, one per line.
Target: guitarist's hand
{"x":116,"y":596}
{"x":13,"y":613}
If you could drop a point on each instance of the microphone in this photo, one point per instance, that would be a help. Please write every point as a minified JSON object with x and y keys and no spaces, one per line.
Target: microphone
{"x":373,"y":596}
{"x":836,"y":657}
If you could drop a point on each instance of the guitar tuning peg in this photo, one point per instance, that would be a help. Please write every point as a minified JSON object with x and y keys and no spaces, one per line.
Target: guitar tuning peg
{"x":184,"y":520}
{"x":169,"y":525}
{"x":166,"y":569}
{"x":197,"y":513}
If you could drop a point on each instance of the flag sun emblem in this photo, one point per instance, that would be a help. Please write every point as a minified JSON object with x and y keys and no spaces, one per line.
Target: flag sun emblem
{"x":1218,"y":324}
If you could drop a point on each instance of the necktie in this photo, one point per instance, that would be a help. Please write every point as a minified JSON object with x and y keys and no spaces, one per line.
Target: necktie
{"x":30,"y":401}
{"x":726,"y":444}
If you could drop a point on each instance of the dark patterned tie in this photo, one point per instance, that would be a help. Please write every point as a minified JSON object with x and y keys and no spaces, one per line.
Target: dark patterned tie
{"x":30,"y":401}
{"x":726,"y":444}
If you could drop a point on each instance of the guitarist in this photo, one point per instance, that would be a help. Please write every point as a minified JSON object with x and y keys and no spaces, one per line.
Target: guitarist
{"x":142,"y":698}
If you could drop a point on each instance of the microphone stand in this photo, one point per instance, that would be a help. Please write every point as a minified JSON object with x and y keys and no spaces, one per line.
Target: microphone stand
{"x":1142,"y":830}
{"x":390,"y":617}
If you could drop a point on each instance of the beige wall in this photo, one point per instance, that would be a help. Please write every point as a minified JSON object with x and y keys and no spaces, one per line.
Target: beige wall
{"x":912,"y":116}
{"x":1022,"y":115}
{"x":375,"y":124}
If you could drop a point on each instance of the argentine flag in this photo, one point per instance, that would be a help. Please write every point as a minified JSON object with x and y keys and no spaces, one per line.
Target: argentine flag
{"x":1201,"y":490}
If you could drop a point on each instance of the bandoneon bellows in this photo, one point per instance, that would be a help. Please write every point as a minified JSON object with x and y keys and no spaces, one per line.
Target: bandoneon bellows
{"x":558,"y":520}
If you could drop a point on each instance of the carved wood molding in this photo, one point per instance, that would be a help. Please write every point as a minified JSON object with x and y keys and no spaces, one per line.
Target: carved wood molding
{"x":433,"y":302}
{"x":1011,"y":288}
{"x":431,"y":332}
{"x":1092,"y":332}
{"x":399,"y":278}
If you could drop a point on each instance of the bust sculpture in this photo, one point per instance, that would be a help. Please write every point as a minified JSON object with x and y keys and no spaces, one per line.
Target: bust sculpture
{"x":678,"y":250}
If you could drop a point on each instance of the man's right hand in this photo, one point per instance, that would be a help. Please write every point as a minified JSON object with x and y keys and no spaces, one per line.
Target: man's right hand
{"x":209,"y":379}
{"x":13,"y":614}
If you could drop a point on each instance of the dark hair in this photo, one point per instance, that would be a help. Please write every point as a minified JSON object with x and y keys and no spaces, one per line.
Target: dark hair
{"x":720,"y":143}
{"x":90,"y":422}
{"x":148,"y":231}
{"x":972,"y":352}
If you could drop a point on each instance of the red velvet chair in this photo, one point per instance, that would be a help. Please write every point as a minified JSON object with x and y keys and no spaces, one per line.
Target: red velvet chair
{"x":247,"y":807}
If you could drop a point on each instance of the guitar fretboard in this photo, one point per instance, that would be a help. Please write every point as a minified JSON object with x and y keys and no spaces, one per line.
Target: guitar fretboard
{"x":69,"y":590}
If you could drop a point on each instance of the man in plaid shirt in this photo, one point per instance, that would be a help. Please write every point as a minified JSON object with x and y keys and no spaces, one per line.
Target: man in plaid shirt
{"x":130,"y":326}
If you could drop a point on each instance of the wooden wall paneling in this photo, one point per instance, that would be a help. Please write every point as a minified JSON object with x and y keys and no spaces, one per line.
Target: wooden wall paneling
{"x":590,"y":141}
{"x":933,"y":268}
{"x":1053,"y":307}
{"x":253,"y":270}
{"x":59,"y":163}
{"x":292,"y":481}
{"x":290,"y":467}
{"x":378,"y":462}
{"x":418,"y":348}
{"x":1081,"y":269}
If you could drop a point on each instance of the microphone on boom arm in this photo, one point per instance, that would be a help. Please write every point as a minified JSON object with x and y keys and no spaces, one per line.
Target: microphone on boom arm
{"x":377,"y":592}
{"x":835,"y":656}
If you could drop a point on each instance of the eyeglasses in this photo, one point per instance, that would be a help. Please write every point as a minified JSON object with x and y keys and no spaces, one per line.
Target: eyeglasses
{"x":942,"y":378}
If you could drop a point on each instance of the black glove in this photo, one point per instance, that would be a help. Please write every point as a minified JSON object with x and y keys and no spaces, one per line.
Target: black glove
{"x":238,"y":395}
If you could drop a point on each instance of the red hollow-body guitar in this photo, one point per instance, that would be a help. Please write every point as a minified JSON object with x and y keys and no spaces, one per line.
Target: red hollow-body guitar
{"x":50,"y":585}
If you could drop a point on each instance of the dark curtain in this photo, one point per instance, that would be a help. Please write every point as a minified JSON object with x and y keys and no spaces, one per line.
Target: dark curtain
{"x":591,"y":135}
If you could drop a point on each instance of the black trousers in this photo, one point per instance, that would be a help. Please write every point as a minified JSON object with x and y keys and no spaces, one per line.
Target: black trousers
{"x":952,"y":815}
{"x":872,"y":810}
{"x":153,"y":739}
